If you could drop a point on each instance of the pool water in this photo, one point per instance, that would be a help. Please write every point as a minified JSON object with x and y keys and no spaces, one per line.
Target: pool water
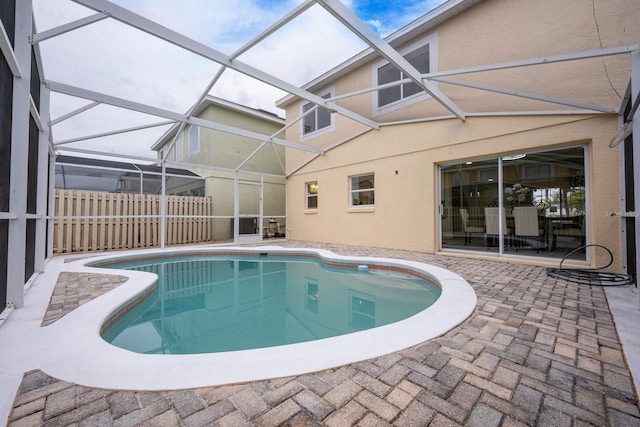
{"x":218,"y":304}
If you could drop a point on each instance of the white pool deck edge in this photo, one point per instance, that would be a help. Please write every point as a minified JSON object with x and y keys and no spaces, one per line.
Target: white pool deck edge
{"x":624,"y":303}
{"x":72,"y":350}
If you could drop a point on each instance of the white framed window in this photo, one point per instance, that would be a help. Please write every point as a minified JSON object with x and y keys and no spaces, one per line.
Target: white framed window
{"x":363,"y":311}
{"x":319,"y":121}
{"x":178,"y":149}
{"x":423,"y":56}
{"x":362,"y":190}
{"x":313,"y":296}
{"x":312,"y":194}
{"x":543,"y":172}
{"x":194,"y":140}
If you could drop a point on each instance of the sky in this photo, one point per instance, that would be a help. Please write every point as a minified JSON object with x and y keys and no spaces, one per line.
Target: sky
{"x":115,"y":59}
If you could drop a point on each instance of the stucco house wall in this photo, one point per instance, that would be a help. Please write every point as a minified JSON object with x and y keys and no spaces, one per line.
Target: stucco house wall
{"x":405,"y":157}
{"x":226,"y":152}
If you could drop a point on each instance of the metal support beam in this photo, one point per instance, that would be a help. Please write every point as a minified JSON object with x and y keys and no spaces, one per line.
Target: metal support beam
{"x":296,"y":120}
{"x":620,"y":50}
{"x":74,"y":113}
{"x":7,"y":51}
{"x":297,"y":11}
{"x":351,"y":21}
{"x":35,"y":114}
{"x":54,"y":32}
{"x":143,"y":24}
{"x":114,"y":132}
{"x":201,"y":98}
{"x":245,"y":161}
{"x":301,"y":8}
{"x":275,"y":152}
{"x":177,"y":164}
{"x":19,"y":158}
{"x":147,"y":109}
{"x":523,"y":94}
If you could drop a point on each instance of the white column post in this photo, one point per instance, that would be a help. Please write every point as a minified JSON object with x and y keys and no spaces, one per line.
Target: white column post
{"x":43,"y":181}
{"x":19,"y":157}
{"x":261,"y":219}
{"x":163,"y":203}
{"x":236,"y":207}
{"x":51,"y":187}
{"x":635,"y":92}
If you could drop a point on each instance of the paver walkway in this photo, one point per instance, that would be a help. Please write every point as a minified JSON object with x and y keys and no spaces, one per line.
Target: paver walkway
{"x":536,"y":351}
{"x":74,"y":289}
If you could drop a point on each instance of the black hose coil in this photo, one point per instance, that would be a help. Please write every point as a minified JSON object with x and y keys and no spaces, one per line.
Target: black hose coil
{"x":590,"y":276}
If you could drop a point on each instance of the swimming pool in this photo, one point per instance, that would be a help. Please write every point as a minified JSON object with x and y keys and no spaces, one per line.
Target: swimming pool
{"x":83,"y":357}
{"x":206,"y":304}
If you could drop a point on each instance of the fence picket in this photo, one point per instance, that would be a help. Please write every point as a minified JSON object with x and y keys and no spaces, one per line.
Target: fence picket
{"x":121,"y":225}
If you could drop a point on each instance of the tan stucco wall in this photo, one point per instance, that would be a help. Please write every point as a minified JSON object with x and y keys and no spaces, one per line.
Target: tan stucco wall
{"x":228,"y":150}
{"x":497,"y":31}
{"x":405,"y":162}
{"x":225,"y":150}
{"x":405,"y":157}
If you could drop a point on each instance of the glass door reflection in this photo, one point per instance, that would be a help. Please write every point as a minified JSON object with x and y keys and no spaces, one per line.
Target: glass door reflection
{"x":531,"y":204}
{"x":467,"y":190}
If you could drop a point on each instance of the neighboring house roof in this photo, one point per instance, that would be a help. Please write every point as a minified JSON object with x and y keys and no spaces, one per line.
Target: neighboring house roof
{"x":85,"y":174}
{"x":122,"y":166}
{"x":421,"y":25}
{"x":212,"y":100}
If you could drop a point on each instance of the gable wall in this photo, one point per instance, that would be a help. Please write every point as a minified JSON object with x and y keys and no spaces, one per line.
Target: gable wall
{"x":405,"y":158}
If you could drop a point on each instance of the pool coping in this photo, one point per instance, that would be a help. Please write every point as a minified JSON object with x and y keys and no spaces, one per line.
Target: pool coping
{"x":76,"y":353}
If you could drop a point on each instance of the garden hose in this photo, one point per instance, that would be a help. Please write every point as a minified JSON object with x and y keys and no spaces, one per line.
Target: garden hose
{"x":590,"y":276}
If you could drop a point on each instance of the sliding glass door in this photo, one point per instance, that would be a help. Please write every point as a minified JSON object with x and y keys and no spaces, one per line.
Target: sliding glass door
{"x":524,"y":204}
{"x":467,"y":190}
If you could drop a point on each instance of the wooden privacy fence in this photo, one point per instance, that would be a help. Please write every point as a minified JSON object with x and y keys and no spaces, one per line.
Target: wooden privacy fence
{"x":90,"y":221}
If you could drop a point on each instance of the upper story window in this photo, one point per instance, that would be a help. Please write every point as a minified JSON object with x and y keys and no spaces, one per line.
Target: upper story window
{"x":312,"y":194}
{"x":422,"y":55}
{"x":194,"y":140}
{"x":319,"y":121}
{"x":362,"y":190}
{"x":178,"y":149}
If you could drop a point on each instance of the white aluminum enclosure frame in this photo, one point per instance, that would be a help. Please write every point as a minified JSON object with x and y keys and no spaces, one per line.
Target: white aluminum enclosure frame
{"x":635,"y":95}
{"x":19,"y":156}
{"x":18,"y":59}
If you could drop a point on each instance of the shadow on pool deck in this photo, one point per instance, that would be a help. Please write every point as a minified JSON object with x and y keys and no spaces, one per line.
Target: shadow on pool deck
{"x":536,"y":351}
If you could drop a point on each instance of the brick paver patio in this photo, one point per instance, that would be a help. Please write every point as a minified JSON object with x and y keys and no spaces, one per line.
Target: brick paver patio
{"x":536,"y":351}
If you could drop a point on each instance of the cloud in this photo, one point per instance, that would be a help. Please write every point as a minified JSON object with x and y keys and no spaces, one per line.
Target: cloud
{"x":113,"y":58}
{"x":385,"y":17}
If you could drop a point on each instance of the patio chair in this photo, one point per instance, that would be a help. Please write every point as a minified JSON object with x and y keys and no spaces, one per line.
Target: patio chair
{"x":576,"y":228}
{"x":469,"y":229}
{"x":527,"y":225}
{"x":492,"y":220}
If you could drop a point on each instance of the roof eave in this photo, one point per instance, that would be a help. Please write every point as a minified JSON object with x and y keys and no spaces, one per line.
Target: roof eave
{"x":212,"y":100}
{"x":423,"y":24}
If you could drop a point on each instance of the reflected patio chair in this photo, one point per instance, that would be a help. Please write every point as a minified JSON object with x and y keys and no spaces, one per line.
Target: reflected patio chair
{"x":469,"y":229}
{"x":574,"y":227}
{"x":492,"y":223}
{"x":527,"y":225}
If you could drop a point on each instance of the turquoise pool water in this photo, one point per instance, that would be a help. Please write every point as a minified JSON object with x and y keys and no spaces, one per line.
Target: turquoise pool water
{"x":226,"y":303}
